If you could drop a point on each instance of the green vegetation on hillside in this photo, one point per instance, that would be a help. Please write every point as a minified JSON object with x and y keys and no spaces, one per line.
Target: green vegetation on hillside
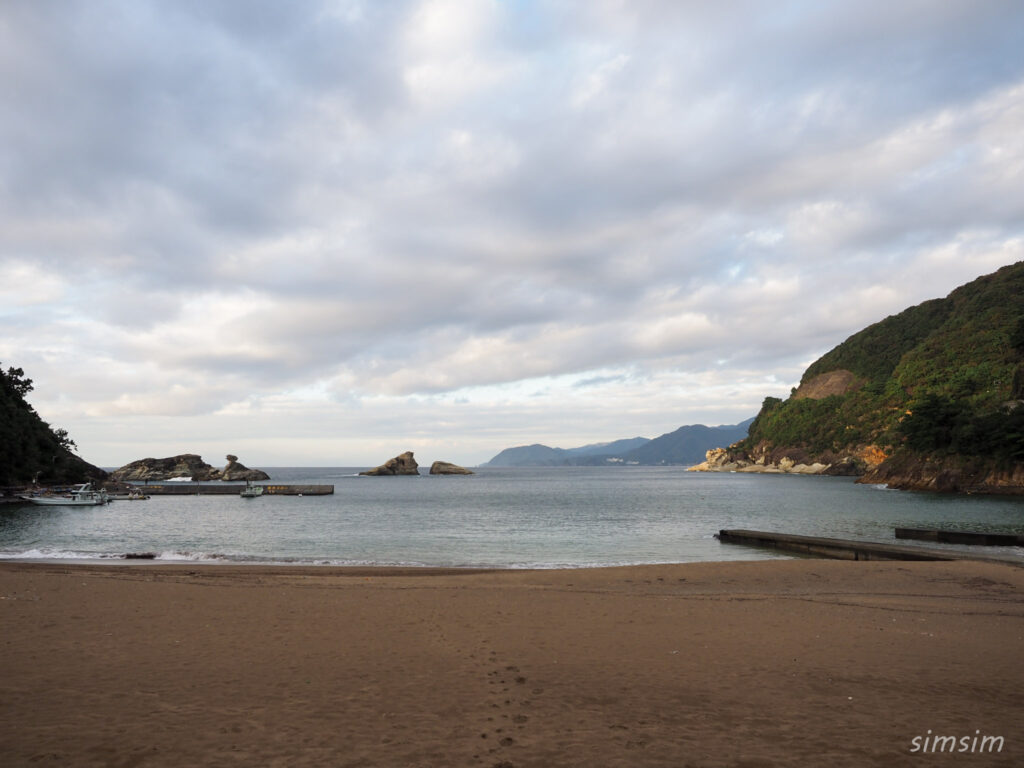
{"x":30,"y":450}
{"x":943,"y":425}
{"x":941,"y":378}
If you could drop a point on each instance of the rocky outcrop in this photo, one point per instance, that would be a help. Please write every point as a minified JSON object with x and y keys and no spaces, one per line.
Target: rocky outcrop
{"x":721,"y":460}
{"x":184,"y":465}
{"x":447,"y":468}
{"x":150,"y":469}
{"x":765,"y":459}
{"x":403,"y":464}
{"x":837,"y":382}
{"x":236,"y":471}
{"x":956,"y":475}
{"x":870,"y":464}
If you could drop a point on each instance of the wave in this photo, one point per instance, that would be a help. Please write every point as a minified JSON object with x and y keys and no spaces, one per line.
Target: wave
{"x":65,"y":555}
{"x":177,"y":556}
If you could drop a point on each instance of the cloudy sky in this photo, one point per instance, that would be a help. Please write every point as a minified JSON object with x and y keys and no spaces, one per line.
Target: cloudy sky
{"x":325,"y":232}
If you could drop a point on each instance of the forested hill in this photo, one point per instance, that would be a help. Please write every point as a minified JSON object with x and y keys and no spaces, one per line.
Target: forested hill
{"x":30,"y":450}
{"x":930,"y":398}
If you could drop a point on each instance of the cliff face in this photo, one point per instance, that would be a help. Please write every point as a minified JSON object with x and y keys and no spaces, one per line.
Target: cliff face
{"x":767,"y":459}
{"x":963,"y":475}
{"x":931,"y":398}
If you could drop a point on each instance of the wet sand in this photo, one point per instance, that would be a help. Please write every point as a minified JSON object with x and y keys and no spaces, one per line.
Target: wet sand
{"x":755,"y":664}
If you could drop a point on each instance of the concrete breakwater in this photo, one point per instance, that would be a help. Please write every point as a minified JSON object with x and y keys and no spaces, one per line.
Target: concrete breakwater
{"x":223,"y":489}
{"x":962,"y":537}
{"x":847,"y":549}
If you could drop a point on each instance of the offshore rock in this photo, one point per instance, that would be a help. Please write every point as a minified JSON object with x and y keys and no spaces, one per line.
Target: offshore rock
{"x":447,"y":468}
{"x":184,"y":465}
{"x":235,"y":471}
{"x":403,"y":464}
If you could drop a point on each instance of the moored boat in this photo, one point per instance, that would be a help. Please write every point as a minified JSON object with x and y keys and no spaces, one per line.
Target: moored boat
{"x":251,"y":491}
{"x":81,"y":496}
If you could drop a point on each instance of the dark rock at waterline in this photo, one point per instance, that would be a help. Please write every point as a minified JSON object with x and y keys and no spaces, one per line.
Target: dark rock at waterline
{"x":236,"y":471}
{"x":185,"y":465}
{"x":403,"y":464}
{"x":447,"y":468}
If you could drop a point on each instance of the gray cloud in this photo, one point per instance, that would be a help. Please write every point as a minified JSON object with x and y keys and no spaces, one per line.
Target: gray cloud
{"x":549,"y":210}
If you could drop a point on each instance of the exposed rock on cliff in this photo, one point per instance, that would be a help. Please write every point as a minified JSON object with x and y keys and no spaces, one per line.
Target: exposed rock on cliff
{"x":447,"y":468}
{"x":184,"y":465}
{"x":766,"y":459}
{"x":403,"y":464}
{"x":838,"y":382}
{"x":725,"y":460}
{"x":912,"y":473}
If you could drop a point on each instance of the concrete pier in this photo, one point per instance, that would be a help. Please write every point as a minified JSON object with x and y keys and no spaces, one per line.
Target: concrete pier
{"x":228,"y":489}
{"x":961,"y":537}
{"x":845,"y":549}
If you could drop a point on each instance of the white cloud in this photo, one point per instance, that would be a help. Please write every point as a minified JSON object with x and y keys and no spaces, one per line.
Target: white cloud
{"x":447,"y":50}
{"x":331,"y":229}
{"x":594,"y":83}
{"x":23,"y":284}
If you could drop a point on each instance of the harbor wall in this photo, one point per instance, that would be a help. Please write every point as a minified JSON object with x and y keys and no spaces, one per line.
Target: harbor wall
{"x":226,"y":489}
{"x":846,"y":549}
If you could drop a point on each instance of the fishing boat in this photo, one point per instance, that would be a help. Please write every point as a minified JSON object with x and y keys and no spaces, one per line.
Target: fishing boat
{"x":80,"y":496}
{"x":251,"y":491}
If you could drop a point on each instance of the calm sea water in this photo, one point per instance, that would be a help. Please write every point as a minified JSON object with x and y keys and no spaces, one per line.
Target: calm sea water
{"x":508,"y":518}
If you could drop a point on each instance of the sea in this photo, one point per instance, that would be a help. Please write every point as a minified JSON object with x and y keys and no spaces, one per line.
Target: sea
{"x":559,"y":517}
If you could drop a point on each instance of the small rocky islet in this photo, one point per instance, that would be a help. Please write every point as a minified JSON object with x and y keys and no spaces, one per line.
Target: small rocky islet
{"x":185,"y":465}
{"x":405,"y":464}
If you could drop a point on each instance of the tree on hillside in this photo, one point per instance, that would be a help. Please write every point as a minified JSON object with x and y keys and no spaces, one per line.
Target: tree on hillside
{"x":14,"y":381}
{"x":30,"y":449}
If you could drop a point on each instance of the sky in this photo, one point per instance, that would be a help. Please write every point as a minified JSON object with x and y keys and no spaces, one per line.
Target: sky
{"x":322,"y":233}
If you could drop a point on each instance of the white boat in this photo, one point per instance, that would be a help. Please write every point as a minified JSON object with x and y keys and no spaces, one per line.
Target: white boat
{"x":81,"y":496}
{"x":251,"y":491}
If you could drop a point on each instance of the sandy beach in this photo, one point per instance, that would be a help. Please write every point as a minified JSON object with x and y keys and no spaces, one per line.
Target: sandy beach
{"x":772,"y":663}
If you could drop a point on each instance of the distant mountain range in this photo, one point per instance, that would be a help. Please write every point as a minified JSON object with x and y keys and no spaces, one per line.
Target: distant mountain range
{"x":687,"y":445}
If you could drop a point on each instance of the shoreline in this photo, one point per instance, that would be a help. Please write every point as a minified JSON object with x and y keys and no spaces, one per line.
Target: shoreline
{"x":768,"y":546}
{"x":771,"y":663}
